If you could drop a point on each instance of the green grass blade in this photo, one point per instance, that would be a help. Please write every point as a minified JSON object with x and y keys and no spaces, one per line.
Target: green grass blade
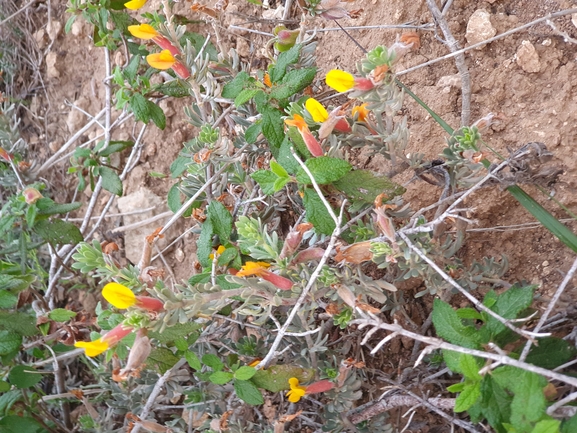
{"x":549,"y":221}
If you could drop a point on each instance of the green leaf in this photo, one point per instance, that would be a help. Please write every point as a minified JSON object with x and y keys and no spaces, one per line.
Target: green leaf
{"x":220,"y":377}
{"x":293,"y":82}
{"x":47,"y":206}
{"x":115,"y":146}
{"x":244,"y":373}
{"x":7,"y":299}
{"x":9,"y":342}
{"x":237,"y":85}
{"x":275,"y":378}
{"x":453,"y":360}
{"x":570,"y":425}
{"x":469,"y":313}
{"x":174,"y":88}
{"x":469,"y":367}
{"x":173,"y":198}
{"x":248,"y":392}
{"x":244,"y":96}
{"x":173,"y":333}
{"x":278,"y":169}
{"x":317,"y":213}
{"x":163,"y":358}
{"x":57,"y":231}
{"x":547,"y":426}
{"x":204,"y":243}
{"x":212,"y":361}
{"x":468,"y":397}
{"x":110,"y":180}
{"x":551,"y":353}
{"x":273,"y":128}
{"x":280,"y":183}
{"x":290,"y":57}
{"x":221,"y":220}
{"x":365,"y":186}
{"x":495,"y":403}
{"x":20,"y":424}
{"x":131,"y":70}
{"x":227,"y":256}
{"x":457,"y":387}
{"x":179,"y":166}
{"x":252,"y":132}
{"x":197,"y":40}
{"x":139,"y":106}
{"x":20,"y":323}
{"x":4,"y":386}
{"x":156,"y":114}
{"x":285,"y":157}
{"x":61,"y":315}
{"x":450,"y":327}
{"x":508,"y":305}
{"x":193,"y":361}
{"x":7,"y":401}
{"x":266,"y":180}
{"x":23,"y":376}
{"x":324,"y":169}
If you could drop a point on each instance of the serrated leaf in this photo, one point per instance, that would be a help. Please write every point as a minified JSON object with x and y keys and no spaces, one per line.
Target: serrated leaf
{"x":227,"y":256}
{"x":252,"y":132}
{"x":204,"y":243}
{"x":212,"y":361}
{"x":173,"y":333}
{"x":469,"y":367}
{"x":110,"y":180}
{"x":7,"y":299}
{"x":248,"y":392}
{"x":266,"y":180}
{"x":290,"y":57}
{"x":20,"y":323}
{"x":82,"y":152}
{"x":273,"y":128}
{"x":467,"y":397}
{"x":20,"y":424}
{"x":285,"y":157}
{"x":57,"y":231}
{"x":221,"y":220}
{"x":547,"y":426}
{"x":173,"y":198}
{"x":317,"y":213}
{"x":469,"y":313}
{"x":139,"y":106}
{"x":244,"y":96}
{"x":495,"y":403}
{"x":551,"y":353}
{"x":178,"y":166}
{"x":365,"y":186}
{"x":233,"y":89}
{"x":280,"y":183}
{"x":174,"y":88}
{"x":275,"y":378}
{"x":61,"y":315}
{"x":278,"y":169}
{"x":156,"y":114}
{"x":163,"y":358}
{"x":115,"y":146}
{"x":47,"y":207}
{"x":324,"y":169}
{"x":570,"y":425}
{"x":193,"y":361}
{"x":508,"y":305}
{"x":23,"y":376}
{"x":9,"y":342}
{"x":244,"y":373}
{"x":220,"y":377}
{"x":457,"y":387}
{"x":449,"y":326}
{"x":292,"y":83}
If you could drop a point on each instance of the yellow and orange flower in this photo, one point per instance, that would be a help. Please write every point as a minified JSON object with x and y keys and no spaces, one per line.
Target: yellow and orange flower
{"x":112,"y":337}
{"x":165,"y":60}
{"x":311,"y":142}
{"x":342,"y":81}
{"x":122,"y":297}
{"x":219,"y":251}
{"x":260,"y":269}
{"x":297,"y":391}
{"x":361,"y":111}
{"x":331,"y":121}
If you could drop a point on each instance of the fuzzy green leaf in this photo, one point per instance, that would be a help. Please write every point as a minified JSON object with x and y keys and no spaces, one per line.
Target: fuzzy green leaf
{"x":20,"y":424}
{"x":47,"y":206}
{"x":9,"y":342}
{"x":317,"y":213}
{"x":139,"y":106}
{"x":252,"y":132}
{"x":173,"y":198}
{"x":508,"y":305}
{"x":163,"y":358}
{"x":57,"y":231}
{"x":248,"y":392}
{"x":467,"y":397}
{"x":293,"y":82}
{"x":450,"y":327}
{"x":280,"y":183}
{"x":245,"y":96}
{"x":220,"y":377}
{"x":244,"y":373}
{"x":212,"y":361}
{"x":273,"y":128}
{"x":204,"y":243}
{"x":173,"y":333}
{"x":233,"y":89}
{"x":275,"y":378}
{"x":61,"y":315}
{"x":290,"y":57}
{"x":547,"y":426}
{"x":551,"y":353}
{"x":266,"y":180}
{"x":324,"y":169}
{"x":156,"y":114}
{"x":23,"y":376}
{"x":115,"y":146}
{"x":364,"y":186}
{"x":20,"y":323}
{"x":221,"y":220}
{"x":193,"y":361}
{"x":278,"y":169}
{"x":7,"y":299}
{"x":174,"y":88}
{"x":110,"y":180}
{"x":469,"y":367}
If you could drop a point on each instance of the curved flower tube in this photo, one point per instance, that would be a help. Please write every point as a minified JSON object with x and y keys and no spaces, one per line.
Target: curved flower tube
{"x":361,"y":111}
{"x":311,"y":142}
{"x":165,"y":60}
{"x":342,"y":81}
{"x":146,"y":32}
{"x":260,"y":269}
{"x":328,"y":121}
{"x":135,"y":4}
{"x":112,"y":337}
{"x":297,"y":392}
{"x":122,"y":297}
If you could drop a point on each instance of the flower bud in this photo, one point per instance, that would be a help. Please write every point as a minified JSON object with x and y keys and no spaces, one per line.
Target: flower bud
{"x":31,"y":195}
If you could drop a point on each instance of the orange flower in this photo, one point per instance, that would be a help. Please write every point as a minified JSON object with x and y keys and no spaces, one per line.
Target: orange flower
{"x":122,"y":297}
{"x":112,"y":337}
{"x":297,"y":392}
{"x":266,"y":80}
{"x":147,"y":32}
{"x":311,"y":142}
{"x":165,"y":60}
{"x":362,"y":112}
{"x":260,"y":269}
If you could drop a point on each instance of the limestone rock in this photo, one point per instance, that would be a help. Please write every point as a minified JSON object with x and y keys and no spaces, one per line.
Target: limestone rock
{"x":242,"y":47}
{"x":479,"y":27}
{"x":40,"y":38}
{"x":54,"y":28}
{"x":77,"y":27}
{"x":450,"y":81}
{"x":527,"y":57}
{"x":75,"y":118}
{"x":51,"y":60}
{"x":134,"y":239}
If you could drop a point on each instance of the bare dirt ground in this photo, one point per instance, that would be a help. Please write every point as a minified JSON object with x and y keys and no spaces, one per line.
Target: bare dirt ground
{"x":533,"y":106}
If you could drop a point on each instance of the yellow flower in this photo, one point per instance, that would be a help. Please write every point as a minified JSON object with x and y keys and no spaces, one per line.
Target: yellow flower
{"x":317,"y":111}
{"x":253,"y":268}
{"x":296,"y":392}
{"x":341,"y":81}
{"x":163,"y":60}
{"x":143,"y":31}
{"x":118,"y":295}
{"x":135,"y":4}
{"x":92,"y":348}
{"x":362,"y":111}
{"x":219,"y":251}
